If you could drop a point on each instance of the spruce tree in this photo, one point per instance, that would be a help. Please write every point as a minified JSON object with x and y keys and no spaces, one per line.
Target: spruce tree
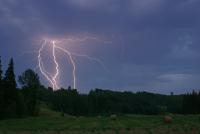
{"x":9,"y":78}
{"x":10,"y":92}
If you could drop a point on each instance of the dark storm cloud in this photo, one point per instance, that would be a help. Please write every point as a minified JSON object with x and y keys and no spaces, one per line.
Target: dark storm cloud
{"x":155,"y":42}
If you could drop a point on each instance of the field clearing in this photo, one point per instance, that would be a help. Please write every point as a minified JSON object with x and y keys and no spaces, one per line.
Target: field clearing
{"x":124,"y":124}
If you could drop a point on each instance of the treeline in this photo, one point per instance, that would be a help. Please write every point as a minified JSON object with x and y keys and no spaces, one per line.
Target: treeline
{"x":106,"y":102}
{"x":25,"y":101}
{"x":15,"y":102}
{"x":191,"y":103}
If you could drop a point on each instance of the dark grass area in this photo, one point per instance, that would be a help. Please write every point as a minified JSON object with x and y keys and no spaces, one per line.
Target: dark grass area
{"x":121,"y":124}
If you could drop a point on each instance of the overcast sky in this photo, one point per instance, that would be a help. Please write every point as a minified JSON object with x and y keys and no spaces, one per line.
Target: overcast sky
{"x":151,"y":45}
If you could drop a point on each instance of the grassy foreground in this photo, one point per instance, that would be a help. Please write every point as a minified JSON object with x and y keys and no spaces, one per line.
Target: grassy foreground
{"x":125,"y":124}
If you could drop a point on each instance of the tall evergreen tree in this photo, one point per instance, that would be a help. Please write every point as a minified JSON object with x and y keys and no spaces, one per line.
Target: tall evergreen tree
{"x":10,"y":92}
{"x":9,"y":78}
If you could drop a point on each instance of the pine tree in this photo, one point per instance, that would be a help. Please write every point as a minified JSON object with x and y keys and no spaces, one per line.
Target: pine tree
{"x":10,"y":92}
{"x":9,"y":78}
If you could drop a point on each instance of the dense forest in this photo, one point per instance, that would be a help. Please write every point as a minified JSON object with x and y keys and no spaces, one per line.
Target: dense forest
{"x":26,"y":101}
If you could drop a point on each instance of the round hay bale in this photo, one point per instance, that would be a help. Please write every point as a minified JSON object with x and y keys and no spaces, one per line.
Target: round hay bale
{"x":168,"y":119}
{"x":99,"y":116}
{"x":113,"y":116}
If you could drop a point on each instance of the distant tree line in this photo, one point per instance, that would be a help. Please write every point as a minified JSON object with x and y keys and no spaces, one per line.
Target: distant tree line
{"x":106,"y":102}
{"x":191,"y":103}
{"x":25,"y":101}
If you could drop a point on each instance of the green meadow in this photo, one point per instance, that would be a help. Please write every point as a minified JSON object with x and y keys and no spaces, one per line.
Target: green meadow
{"x":50,"y":122}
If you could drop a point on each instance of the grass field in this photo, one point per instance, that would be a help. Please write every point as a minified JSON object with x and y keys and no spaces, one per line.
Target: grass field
{"x":53,"y":123}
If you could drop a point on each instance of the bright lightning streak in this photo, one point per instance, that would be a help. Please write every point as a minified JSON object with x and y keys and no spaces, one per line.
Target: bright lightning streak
{"x":73,"y":64}
{"x":53,"y":78}
{"x":40,"y":64}
{"x":91,"y":58}
{"x":57,"y":67}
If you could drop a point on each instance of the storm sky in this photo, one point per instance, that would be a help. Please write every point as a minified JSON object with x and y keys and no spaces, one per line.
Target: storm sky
{"x":150,"y":45}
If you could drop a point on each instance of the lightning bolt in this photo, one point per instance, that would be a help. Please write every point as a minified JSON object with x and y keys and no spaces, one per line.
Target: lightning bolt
{"x":57,"y":66}
{"x":72,"y":62}
{"x":53,"y":78}
{"x":41,"y":65}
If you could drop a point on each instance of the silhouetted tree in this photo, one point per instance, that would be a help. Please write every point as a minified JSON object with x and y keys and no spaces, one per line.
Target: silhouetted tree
{"x":29,"y":79}
{"x":69,"y":88}
{"x":191,"y":103}
{"x":9,"y":78}
{"x":10,"y":92}
{"x":30,"y":85}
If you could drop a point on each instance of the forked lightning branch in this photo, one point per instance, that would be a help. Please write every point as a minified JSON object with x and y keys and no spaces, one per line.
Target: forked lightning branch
{"x":55,"y":45}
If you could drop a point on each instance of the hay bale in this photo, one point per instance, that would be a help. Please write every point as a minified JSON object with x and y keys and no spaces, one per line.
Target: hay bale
{"x":113,"y":116}
{"x":99,"y":116}
{"x":168,"y":119}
